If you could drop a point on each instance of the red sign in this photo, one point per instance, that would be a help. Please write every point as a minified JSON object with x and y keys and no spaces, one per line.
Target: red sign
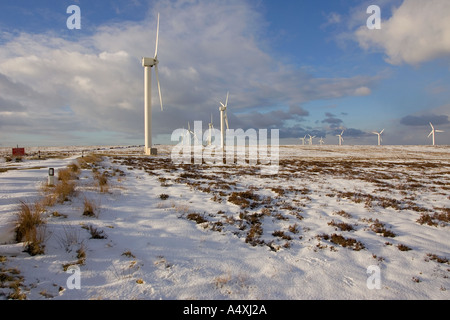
{"x":18,"y":151}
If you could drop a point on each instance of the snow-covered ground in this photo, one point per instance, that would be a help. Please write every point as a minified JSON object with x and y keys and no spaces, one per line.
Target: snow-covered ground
{"x":336,"y":222}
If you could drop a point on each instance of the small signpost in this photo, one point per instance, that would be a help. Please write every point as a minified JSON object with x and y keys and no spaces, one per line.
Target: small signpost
{"x":51,"y":176}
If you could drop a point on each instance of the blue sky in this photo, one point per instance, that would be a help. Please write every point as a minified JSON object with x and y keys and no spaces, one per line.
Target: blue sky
{"x":303,"y":67}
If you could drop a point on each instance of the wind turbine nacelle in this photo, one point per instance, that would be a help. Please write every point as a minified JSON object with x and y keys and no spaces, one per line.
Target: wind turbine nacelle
{"x":148,"y":62}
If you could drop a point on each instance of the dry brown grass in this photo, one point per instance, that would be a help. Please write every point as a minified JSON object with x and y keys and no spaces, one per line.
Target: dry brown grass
{"x":435,"y":219}
{"x":198,"y":218}
{"x":342,"y":241}
{"x":66,"y":174}
{"x":89,"y":161}
{"x":341,"y":226}
{"x":90,"y":208}
{"x":64,"y":191}
{"x":102,"y":181}
{"x":28,"y":227}
{"x":10,"y":278}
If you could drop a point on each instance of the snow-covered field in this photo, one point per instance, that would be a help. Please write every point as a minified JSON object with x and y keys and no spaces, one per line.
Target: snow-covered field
{"x":336,"y":222}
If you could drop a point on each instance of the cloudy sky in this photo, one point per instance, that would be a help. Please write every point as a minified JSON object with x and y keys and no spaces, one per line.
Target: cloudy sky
{"x":303,"y":67}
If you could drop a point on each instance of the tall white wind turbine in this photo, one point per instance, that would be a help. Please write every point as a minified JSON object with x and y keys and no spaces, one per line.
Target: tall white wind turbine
{"x":148,"y":63}
{"x":379,"y":136}
{"x":223,"y":121}
{"x":433,"y":132}
{"x":340,"y":137}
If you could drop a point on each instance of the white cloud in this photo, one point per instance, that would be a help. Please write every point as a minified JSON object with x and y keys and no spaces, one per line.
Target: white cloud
{"x":362,"y":91}
{"x":418,"y":31}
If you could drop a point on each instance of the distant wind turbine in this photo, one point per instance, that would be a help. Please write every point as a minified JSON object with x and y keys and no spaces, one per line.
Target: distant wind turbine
{"x":192,"y":133}
{"x":379,"y":136}
{"x":321,"y":141}
{"x":433,"y":132}
{"x":340,"y":137}
{"x":311,"y":139}
{"x":303,"y":140}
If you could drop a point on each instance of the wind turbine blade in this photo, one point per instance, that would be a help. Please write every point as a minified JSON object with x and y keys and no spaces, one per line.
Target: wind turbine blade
{"x":226,"y":102}
{"x":431,"y":126}
{"x":159,"y":87}
{"x":382,"y":131}
{"x":430,"y":134}
{"x":439,"y":131}
{"x":157,"y":38}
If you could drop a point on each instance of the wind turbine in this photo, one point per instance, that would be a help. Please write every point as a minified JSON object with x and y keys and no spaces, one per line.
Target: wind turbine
{"x":340,"y":137}
{"x":379,"y":136}
{"x":223,"y":120}
{"x":192,"y":133}
{"x":148,"y":63}
{"x":433,"y":132}
{"x":321,"y":141}
{"x":303,"y":140}
{"x":310,"y":139}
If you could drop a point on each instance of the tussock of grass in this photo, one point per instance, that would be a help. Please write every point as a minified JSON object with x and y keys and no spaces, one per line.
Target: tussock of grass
{"x":102,"y":180}
{"x":28,"y":227}
{"x":89,"y":161}
{"x":95,"y":233}
{"x":434,"y":257}
{"x":90,"y":208}
{"x":403,"y":247}
{"x":341,"y":225}
{"x":10,"y":278}
{"x":64,"y":190}
{"x":435,"y":219}
{"x":243,"y":199}
{"x":342,"y":241}
{"x":66,"y":174}
{"x":198,"y":218}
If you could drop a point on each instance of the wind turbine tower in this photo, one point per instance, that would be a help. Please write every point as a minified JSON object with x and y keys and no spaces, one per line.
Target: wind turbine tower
{"x":211,"y":128}
{"x":379,"y":136}
{"x":223,"y":121}
{"x":433,"y":133}
{"x":148,"y":63}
